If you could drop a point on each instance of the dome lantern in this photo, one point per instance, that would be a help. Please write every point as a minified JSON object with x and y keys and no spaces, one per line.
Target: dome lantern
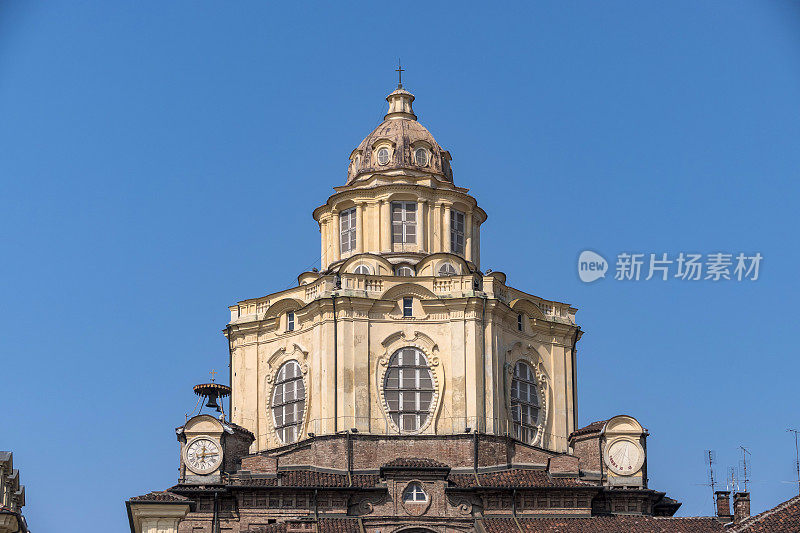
{"x":400,"y":105}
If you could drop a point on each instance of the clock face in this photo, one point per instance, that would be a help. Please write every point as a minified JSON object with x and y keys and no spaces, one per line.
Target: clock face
{"x":624,"y":457}
{"x":203,"y":455}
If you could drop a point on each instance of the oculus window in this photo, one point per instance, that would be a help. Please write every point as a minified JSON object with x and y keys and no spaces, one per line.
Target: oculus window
{"x":408,"y":389}
{"x":383,"y":156}
{"x":421,"y":157}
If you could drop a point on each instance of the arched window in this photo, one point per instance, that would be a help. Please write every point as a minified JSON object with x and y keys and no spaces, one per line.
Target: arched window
{"x":524,"y":402}
{"x":414,"y":493}
{"x":362,"y":269}
{"x":288,"y":402}
{"x":408,"y":389}
{"x":404,"y":270}
{"x":447,"y":269}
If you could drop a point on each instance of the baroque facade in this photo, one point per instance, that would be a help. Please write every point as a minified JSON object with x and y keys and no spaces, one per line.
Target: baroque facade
{"x":399,"y":387}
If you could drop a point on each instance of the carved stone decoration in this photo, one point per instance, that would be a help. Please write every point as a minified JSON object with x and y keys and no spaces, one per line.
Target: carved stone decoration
{"x":530,"y":355}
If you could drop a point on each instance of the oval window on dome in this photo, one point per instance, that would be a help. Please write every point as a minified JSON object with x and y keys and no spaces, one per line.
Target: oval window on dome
{"x":408,"y":389}
{"x":421,"y":156}
{"x":524,"y":402}
{"x":383,"y":156}
{"x":288,"y":402}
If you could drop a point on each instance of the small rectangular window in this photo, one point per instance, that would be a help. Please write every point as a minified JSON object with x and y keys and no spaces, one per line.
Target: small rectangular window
{"x":404,"y":222}
{"x":519,"y":322}
{"x":347,"y":230}
{"x":457,"y":232}
{"x":290,"y":321}
{"x":407,"y":307}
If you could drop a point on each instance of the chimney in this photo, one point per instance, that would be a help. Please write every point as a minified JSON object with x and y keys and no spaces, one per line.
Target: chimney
{"x":723,"y":506}
{"x":741,"y":506}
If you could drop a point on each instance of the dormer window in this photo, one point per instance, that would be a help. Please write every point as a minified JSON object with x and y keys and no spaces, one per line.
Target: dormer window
{"x":405,"y":271}
{"x":421,"y":157}
{"x":414,"y":493}
{"x":362,"y":269}
{"x":447,"y":269}
{"x":383,"y":156}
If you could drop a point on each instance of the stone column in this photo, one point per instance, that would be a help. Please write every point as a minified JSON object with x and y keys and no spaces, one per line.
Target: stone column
{"x":385,"y":222}
{"x":361,"y":211}
{"x":421,"y":226}
{"x":336,"y":237}
{"x":437,"y":228}
{"x":468,"y":235}
{"x":323,"y":237}
{"x":446,"y":229}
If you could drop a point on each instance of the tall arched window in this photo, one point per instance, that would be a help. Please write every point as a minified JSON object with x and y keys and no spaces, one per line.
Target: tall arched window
{"x":524,"y":402}
{"x":408,"y":389}
{"x":288,"y":402}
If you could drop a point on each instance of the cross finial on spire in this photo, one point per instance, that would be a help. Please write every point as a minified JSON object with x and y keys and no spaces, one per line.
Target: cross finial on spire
{"x":213,"y":373}
{"x":399,"y":71}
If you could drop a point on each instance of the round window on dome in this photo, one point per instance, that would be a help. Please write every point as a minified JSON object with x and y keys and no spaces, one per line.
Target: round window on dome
{"x":383,"y":156}
{"x":421,"y":157}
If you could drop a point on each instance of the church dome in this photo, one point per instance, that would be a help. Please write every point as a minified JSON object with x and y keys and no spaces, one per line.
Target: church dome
{"x":399,"y":143}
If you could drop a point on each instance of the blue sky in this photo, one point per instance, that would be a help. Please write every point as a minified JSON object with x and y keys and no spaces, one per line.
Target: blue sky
{"x":160,"y":161}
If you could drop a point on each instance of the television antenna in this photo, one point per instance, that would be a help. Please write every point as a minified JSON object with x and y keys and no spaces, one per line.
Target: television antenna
{"x":711,"y":458}
{"x":745,"y":480}
{"x":796,"y":456}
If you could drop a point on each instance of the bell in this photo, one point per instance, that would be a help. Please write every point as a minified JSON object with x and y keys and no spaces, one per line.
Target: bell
{"x":212,"y":402}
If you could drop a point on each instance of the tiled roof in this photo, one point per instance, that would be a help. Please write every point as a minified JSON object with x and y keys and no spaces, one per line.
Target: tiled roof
{"x":781,"y":519}
{"x":605,"y":524}
{"x":310,"y":478}
{"x":591,"y":428}
{"x":159,"y":496}
{"x":239,"y":428}
{"x":516,"y":477}
{"x":414,"y":462}
{"x":338,"y":525}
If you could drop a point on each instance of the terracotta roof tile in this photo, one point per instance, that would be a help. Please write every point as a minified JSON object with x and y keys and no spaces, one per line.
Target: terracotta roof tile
{"x":590,"y":428}
{"x":516,"y":477}
{"x":338,"y":525}
{"x":160,"y":496}
{"x":605,"y":524}
{"x":310,"y":478}
{"x":414,"y":462}
{"x":783,"y":518}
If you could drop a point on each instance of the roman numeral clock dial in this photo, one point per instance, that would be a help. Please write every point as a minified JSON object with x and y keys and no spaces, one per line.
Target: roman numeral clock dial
{"x":203,"y":455}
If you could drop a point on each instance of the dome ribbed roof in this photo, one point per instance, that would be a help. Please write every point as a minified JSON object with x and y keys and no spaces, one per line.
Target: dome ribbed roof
{"x":402,"y":135}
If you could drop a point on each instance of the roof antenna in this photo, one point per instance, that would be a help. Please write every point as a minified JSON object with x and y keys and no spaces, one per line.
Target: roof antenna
{"x":711,"y":457}
{"x":745,"y":479}
{"x":796,"y":456}
{"x":399,"y":71}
